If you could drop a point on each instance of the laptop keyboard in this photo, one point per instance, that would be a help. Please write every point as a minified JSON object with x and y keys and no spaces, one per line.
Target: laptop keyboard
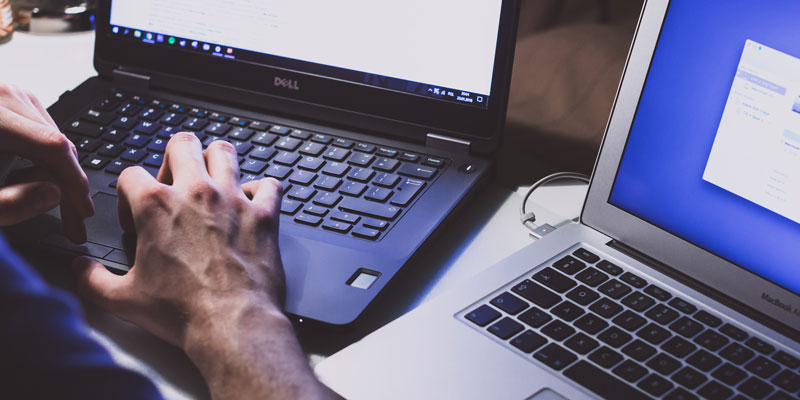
{"x":622,"y":337}
{"x":333,"y":183}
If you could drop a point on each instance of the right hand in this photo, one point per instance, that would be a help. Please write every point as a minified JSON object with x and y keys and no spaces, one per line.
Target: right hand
{"x":28,"y":131}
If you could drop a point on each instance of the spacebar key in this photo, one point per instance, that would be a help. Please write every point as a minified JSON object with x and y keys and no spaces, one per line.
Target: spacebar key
{"x":370,"y":209}
{"x":602,"y":383}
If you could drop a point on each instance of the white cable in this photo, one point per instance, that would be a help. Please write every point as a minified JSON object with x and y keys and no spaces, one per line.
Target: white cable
{"x":529,"y":218}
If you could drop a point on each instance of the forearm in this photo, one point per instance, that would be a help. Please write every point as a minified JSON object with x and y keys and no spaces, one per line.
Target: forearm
{"x":250,"y":351}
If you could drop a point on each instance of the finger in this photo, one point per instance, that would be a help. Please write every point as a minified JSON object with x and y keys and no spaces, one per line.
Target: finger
{"x":48,"y":147}
{"x":29,"y":174}
{"x":183,"y":160}
{"x":223,"y":166}
{"x":100,"y":286}
{"x":18,"y":101}
{"x":132,"y":186}
{"x":266,"y":194}
{"x":41,"y":109}
{"x":22,"y":202}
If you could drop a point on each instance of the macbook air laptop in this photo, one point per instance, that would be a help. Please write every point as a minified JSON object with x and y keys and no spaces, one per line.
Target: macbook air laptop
{"x":682,"y":280}
{"x":379,"y":120}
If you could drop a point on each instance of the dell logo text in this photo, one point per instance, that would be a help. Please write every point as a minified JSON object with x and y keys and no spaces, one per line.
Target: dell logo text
{"x":287,"y":83}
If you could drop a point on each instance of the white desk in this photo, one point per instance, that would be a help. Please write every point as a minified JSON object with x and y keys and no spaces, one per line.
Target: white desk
{"x":488,"y":231}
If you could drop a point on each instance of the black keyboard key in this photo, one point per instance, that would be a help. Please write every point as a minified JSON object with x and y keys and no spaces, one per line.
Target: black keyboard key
{"x":664,"y":364}
{"x":265,"y":139}
{"x":558,"y":330}
{"x":343,"y":143}
{"x":655,"y":385}
{"x":375,"y":224}
{"x":654,"y":334}
{"x":569,"y":265}
{"x":407,"y":191}
{"x":729,"y":374}
{"x":528,"y":341}
{"x":328,"y":183}
{"x":241,"y":134}
{"x":755,"y":388}
{"x":359,"y":174}
{"x":111,"y":150}
{"x":151,"y":114}
{"x":609,"y":268}
{"x":388,"y":180}
{"x":605,"y":357}
{"x":505,"y":328}
{"x":629,"y":321}
{"x":737,"y":353}
{"x":138,"y":141}
{"x":433,"y":162}
{"x":555,"y":356}
{"x":708,"y":319}
{"x":591,"y":323}
{"x":386,"y":164}
{"x":630,"y":371}
{"x":306,"y":219}
{"x":633,"y":280}
{"x":780,"y":396}
{"x":378,"y":194}
{"x":762,"y":367}
{"x":583,"y":295}
{"x":703,"y":360}
{"x":336,"y":169}
{"x":788,"y":381}
{"x":364,"y":147}
{"x":786,"y":359}
{"x":554,"y":280}
{"x":173,"y":119}
{"x":662,"y":314}
{"x":116,"y":167}
{"x":286,"y":158}
{"x":606,"y":308}
{"x":361,"y":159}
{"x":154,"y":160}
{"x":658,"y":293}
{"x":689,"y":378}
{"x":84,"y":128}
{"x":615,"y":289}
{"x":95,"y":163}
{"x":88,"y":145}
{"x":195,"y":124}
{"x":734,"y":332}
{"x":638,"y":301}
{"x":242,"y":148}
{"x":158,"y":145}
{"x":280,"y":130}
{"x":196,"y":112}
{"x":591,"y":277}
{"x":686,"y":327}
{"x":366,"y":233}
{"x":384,"y":152}
{"x":345,"y":217}
{"x":114,"y":136}
{"x":615,"y":337}
{"x":369,"y":209}
{"x":354,"y":189}
{"x":678,"y":347}
{"x":134,"y":155}
{"x":581,"y":344}
{"x":300,"y":177}
{"x":535,"y":317}
{"x":279,"y":172}
{"x":567,"y":311}
{"x":715,"y":391}
{"x":311,"y":163}
{"x":639,"y":350}
{"x":680,"y":394}
{"x":288,"y":144}
{"x":319,"y":138}
{"x":98,"y":117}
{"x":509,"y":303}
{"x":600,"y":382}
{"x":416,"y":171}
{"x":301,"y":193}
{"x":586,"y":255}
{"x":409,"y":157}
{"x":683,"y":306}
{"x":291,"y":207}
{"x":336,"y":154}
{"x":312,"y":149}
{"x":263,"y":153}
{"x":711,"y":340}
{"x":255,"y":167}
{"x":760,"y":346}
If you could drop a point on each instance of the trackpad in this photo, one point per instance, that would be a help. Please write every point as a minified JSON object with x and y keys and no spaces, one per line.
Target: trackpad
{"x":104,"y":227}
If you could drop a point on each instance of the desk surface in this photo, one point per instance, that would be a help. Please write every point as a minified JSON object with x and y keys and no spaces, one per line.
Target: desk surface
{"x":488,"y":231}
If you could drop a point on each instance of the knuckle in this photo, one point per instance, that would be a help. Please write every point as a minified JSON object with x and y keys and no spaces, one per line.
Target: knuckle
{"x":55,"y":141}
{"x":204,"y":190}
{"x":277,"y":186}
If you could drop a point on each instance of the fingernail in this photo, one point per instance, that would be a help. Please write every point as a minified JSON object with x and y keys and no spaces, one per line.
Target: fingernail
{"x":46,"y":198}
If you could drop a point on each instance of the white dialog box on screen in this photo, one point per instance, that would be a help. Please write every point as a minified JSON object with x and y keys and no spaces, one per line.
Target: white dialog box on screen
{"x":756,"y":153}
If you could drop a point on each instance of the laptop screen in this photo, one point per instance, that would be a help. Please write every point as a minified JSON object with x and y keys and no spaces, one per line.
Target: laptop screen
{"x":713,"y":155}
{"x":440,"y":49}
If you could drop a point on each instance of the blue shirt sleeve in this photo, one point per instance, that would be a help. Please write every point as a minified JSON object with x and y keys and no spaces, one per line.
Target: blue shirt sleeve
{"x":45,"y":351}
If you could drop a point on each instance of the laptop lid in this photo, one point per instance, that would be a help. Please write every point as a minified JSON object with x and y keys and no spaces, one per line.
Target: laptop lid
{"x":406,"y":68}
{"x":700,"y":166}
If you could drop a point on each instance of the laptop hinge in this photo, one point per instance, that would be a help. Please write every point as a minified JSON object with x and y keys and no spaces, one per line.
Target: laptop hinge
{"x":442,"y":142}
{"x":130,"y":79}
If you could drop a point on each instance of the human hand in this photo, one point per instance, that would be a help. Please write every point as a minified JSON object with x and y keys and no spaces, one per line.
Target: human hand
{"x":28,"y":131}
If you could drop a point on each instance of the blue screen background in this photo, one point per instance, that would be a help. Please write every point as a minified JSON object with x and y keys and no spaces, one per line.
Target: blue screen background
{"x":661,"y":174}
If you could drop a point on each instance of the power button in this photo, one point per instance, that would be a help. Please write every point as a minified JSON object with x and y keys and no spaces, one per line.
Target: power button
{"x":467,"y":168}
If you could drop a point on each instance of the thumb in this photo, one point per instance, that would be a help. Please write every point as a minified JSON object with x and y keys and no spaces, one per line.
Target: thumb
{"x":99,"y":285}
{"x":22,"y":202}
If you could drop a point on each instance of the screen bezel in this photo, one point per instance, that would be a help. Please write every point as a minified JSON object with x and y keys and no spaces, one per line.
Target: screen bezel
{"x":734,"y":281}
{"x":426,"y":115}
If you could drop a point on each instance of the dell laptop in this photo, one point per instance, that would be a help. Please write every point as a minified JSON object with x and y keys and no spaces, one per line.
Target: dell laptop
{"x":378,"y":118}
{"x":682,"y":280}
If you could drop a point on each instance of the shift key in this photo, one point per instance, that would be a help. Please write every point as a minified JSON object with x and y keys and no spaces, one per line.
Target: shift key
{"x":369,"y":208}
{"x":407,"y":191}
{"x":417,"y":171}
